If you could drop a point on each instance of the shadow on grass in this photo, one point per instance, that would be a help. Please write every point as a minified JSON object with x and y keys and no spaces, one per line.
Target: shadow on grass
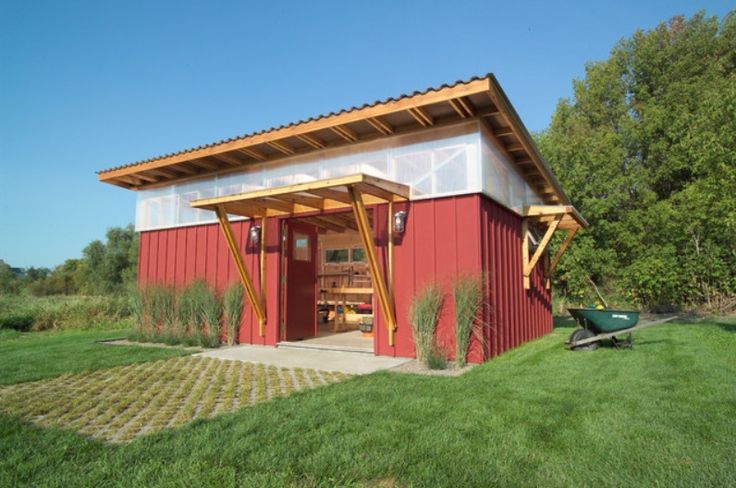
{"x":727,"y":326}
{"x":563,"y":322}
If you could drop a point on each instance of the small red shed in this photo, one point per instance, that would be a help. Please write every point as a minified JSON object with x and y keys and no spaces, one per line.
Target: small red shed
{"x":345,"y":216}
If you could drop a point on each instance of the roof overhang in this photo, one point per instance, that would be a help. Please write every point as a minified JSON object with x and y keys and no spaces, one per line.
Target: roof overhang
{"x":568,"y":216}
{"x":313,"y":197}
{"x":478,"y":98}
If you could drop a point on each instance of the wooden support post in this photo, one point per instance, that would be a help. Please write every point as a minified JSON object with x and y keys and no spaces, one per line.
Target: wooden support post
{"x":563,"y":247}
{"x":525,"y":251}
{"x":264,"y":249}
{"x":232,"y":245}
{"x":529,"y":266}
{"x":390,"y":258}
{"x":366,"y":234}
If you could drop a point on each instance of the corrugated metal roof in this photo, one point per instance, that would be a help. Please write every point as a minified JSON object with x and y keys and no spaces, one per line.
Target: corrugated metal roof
{"x":303,"y":121}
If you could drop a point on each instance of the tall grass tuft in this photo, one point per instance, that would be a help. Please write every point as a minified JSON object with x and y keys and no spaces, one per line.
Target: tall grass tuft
{"x":424,"y":313}
{"x":189,"y":305}
{"x":211,"y":316}
{"x":233,"y":307}
{"x":467,"y":292}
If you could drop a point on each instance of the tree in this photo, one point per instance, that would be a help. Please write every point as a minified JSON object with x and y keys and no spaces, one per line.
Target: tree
{"x":108,"y":267}
{"x":646,"y":148}
{"x":9,"y":282}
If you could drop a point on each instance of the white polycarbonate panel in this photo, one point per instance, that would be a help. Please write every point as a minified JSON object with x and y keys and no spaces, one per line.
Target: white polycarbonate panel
{"x":435,"y":163}
{"x":501,"y":179}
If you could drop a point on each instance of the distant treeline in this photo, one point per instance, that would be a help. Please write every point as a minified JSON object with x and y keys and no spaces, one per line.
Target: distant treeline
{"x":105,"y":268}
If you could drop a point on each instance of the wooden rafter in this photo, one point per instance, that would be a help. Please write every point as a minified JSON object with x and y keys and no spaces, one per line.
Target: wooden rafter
{"x":467,"y":106}
{"x":458,"y":108}
{"x":206,"y":164}
{"x":380,"y":125}
{"x":311,"y":140}
{"x":345,"y":132}
{"x":421,"y":116}
{"x":245,"y":278}
{"x":253,"y":153}
{"x":282,"y":147}
{"x":186,"y":168}
{"x":229,"y":159}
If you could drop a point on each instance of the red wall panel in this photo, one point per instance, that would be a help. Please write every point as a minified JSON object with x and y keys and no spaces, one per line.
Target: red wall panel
{"x":444,"y":238}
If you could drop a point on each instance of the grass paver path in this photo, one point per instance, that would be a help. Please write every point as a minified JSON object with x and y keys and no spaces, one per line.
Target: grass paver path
{"x":125,"y":402}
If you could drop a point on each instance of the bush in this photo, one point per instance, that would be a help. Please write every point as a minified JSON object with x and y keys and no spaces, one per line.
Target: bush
{"x":29,"y":313}
{"x":233,"y":308}
{"x":467,"y":292}
{"x":20,"y":321}
{"x":423,"y":315}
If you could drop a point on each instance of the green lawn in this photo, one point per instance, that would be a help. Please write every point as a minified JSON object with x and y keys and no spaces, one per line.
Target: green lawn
{"x":662,"y":414}
{"x":29,"y":356}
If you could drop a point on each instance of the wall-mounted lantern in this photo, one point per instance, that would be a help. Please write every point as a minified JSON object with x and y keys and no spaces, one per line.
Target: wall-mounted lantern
{"x":400,"y":221}
{"x":254,"y":235}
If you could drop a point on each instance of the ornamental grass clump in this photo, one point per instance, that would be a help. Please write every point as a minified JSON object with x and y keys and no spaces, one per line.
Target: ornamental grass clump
{"x":467,"y":292}
{"x":210,"y":317}
{"x":424,"y":314}
{"x":232,"y":302}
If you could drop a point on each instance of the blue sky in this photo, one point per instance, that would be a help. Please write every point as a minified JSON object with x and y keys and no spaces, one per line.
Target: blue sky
{"x":89,"y":85}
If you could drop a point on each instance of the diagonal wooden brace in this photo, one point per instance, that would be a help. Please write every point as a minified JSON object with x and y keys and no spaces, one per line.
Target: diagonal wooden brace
{"x":366,"y":234}
{"x":245,"y":279}
{"x":530,"y":263}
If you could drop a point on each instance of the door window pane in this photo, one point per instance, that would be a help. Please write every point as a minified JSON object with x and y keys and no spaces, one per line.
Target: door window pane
{"x":302,"y":249}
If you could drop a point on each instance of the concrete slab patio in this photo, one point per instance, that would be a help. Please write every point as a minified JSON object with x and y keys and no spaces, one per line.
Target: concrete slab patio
{"x":325,"y":360}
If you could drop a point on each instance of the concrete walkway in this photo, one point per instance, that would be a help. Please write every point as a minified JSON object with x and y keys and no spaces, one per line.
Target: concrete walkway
{"x":346,"y":362}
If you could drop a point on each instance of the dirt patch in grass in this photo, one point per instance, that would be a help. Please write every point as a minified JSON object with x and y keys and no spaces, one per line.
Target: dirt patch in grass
{"x":122,"y":403}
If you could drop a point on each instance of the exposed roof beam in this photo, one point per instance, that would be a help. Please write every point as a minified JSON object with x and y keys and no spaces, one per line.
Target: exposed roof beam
{"x":345,"y":132}
{"x":313,"y":141}
{"x":166,"y":172}
{"x":253,"y":153}
{"x":380,"y":125}
{"x":458,"y":108}
{"x":504,"y":131}
{"x":282,"y":147}
{"x":203,"y":163}
{"x":229,"y":159}
{"x":467,"y":106}
{"x":421,"y":116}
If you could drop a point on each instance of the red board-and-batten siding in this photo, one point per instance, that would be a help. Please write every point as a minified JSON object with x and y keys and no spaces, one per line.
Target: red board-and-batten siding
{"x":444,"y":238}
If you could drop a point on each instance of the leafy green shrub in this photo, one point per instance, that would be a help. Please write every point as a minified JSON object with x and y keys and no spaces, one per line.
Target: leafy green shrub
{"x":20,"y":321}
{"x":63,"y":312}
{"x":467,"y":292}
{"x":423,"y":315}
{"x":233,"y":308}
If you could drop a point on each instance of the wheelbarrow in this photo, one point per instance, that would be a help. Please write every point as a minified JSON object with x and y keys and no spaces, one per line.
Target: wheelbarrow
{"x":597,"y":325}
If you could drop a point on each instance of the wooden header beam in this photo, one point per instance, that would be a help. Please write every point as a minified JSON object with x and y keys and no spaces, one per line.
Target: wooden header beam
{"x":331,"y":193}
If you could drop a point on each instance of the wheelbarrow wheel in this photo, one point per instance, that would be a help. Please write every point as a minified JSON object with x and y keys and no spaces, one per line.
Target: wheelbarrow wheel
{"x":581,"y":334}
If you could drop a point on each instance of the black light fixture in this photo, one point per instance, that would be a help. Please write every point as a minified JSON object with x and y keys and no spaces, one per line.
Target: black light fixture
{"x":255,"y":235}
{"x":400,"y":221}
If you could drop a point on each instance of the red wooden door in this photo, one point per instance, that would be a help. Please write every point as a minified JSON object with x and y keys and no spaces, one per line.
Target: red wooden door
{"x":300,"y":275}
